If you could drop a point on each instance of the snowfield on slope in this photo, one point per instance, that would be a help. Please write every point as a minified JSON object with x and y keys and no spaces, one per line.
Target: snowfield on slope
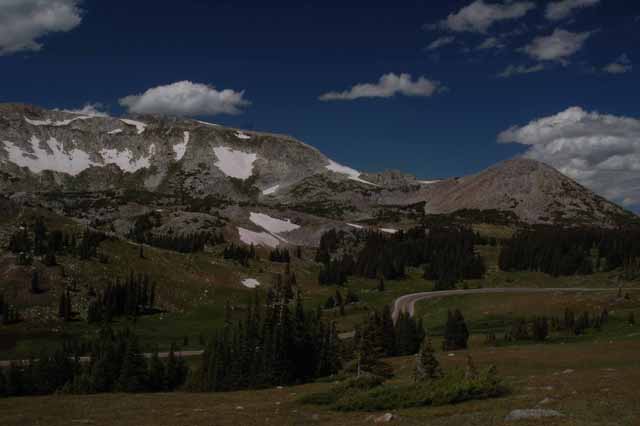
{"x":271,"y":224}
{"x":62,"y":123}
{"x":250,"y":282}
{"x":140,"y":127}
{"x":74,"y":161}
{"x":389,"y":230}
{"x":126,"y":160}
{"x":241,"y":135}
{"x":234,"y":163}
{"x":56,"y":159}
{"x":207,"y":124}
{"x":344,"y":170}
{"x":181,"y":148}
{"x":258,"y":238}
{"x":271,"y":190}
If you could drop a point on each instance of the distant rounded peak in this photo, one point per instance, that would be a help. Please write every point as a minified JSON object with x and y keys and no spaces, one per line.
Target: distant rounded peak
{"x":522,"y":164}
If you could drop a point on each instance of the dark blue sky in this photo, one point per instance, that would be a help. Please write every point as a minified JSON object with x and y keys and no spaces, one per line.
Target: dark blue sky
{"x":286,"y":54}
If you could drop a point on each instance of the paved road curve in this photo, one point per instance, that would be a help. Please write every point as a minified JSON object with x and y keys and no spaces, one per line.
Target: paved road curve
{"x":407,"y":302}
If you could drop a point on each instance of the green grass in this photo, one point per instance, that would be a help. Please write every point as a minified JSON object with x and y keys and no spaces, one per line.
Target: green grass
{"x":495,"y":312}
{"x":599,"y":390}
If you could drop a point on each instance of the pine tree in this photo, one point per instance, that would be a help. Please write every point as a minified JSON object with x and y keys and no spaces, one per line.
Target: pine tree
{"x":456,"y":333}
{"x":157,"y":373}
{"x":35,"y":282}
{"x":133,"y":375}
{"x":427,"y":366}
{"x":340,"y":302}
{"x":176,"y":370}
{"x":388,"y":332}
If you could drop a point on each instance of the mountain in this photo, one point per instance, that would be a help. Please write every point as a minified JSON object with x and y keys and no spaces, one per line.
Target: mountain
{"x":534,"y":191}
{"x":258,"y":187}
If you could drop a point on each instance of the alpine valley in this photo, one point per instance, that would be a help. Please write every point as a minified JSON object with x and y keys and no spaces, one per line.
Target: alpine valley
{"x":181,"y":259}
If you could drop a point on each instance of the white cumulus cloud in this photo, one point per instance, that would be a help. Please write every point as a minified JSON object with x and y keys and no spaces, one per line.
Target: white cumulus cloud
{"x":185,"y":98}
{"x":558,"y":46}
{"x":512,"y":70}
{"x":388,"y":86}
{"x":24,"y":22}
{"x":619,"y":66}
{"x":600,"y":151}
{"x":561,"y":9}
{"x":479,"y":16}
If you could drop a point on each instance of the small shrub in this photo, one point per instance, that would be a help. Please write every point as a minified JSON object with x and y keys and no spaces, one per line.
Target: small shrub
{"x":354,"y":384}
{"x":454,"y":387}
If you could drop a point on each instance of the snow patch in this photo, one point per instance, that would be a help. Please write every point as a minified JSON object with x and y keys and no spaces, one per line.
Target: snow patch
{"x":389,"y":230}
{"x":115,"y":132}
{"x":125,"y":160}
{"x":271,"y":190}
{"x":38,"y":122}
{"x":250,"y":282}
{"x":241,"y":135}
{"x":56,"y":158}
{"x":207,"y":124}
{"x":344,"y":170}
{"x":234,"y":163}
{"x":62,"y":123}
{"x":428,"y":182}
{"x":181,"y":148}
{"x":258,"y":238}
{"x":355,"y":226}
{"x":137,"y":124}
{"x":271,"y":224}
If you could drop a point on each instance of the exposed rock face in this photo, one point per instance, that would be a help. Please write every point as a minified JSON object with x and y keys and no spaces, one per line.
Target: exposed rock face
{"x":109,"y":171}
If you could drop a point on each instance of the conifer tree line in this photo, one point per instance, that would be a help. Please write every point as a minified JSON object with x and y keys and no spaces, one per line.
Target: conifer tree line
{"x":116,"y":364}
{"x":384,"y":338}
{"x":447,"y":254}
{"x":141,"y":233}
{"x":280,"y":255}
{"x":572,"y":251}
{"x":132,"y":297}
{"x":38,"y":241}
{"x":540,"y":327}
{"x":184,"y":243}
{"x":277,"y":343}
{"x":241,"y":254}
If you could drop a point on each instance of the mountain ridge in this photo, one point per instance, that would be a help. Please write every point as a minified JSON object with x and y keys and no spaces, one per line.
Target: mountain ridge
{"x":189,"y":166}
